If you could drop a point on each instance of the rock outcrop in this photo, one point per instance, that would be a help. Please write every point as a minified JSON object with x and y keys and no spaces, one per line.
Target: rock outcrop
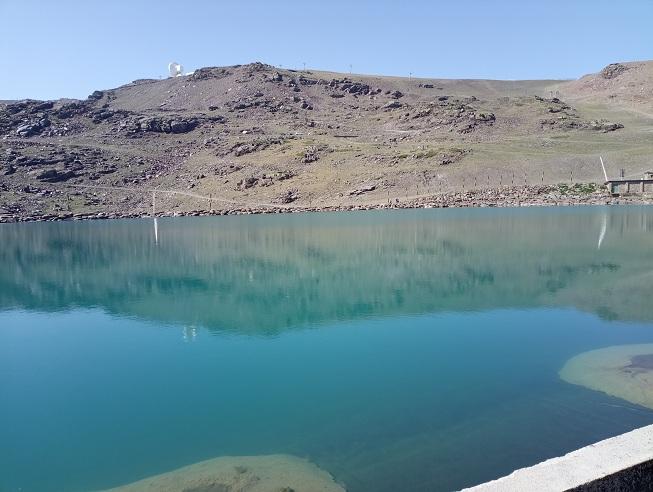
{"x":165,"y":125}
{"x":613,"y":70}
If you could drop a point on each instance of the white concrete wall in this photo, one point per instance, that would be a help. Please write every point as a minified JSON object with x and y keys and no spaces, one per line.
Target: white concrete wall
{"x":620,"y":463}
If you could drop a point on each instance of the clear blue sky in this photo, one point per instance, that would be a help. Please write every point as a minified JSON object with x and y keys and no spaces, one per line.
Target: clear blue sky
{"x":66,"y":48}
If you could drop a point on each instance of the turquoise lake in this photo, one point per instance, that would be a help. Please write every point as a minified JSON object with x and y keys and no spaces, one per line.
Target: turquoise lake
{"x":408,"y":350}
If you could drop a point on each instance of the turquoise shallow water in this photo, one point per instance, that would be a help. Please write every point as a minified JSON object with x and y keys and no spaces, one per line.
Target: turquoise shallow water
{"x":405,"y":350}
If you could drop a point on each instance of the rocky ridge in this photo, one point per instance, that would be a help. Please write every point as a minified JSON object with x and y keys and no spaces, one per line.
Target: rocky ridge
{"x":259,"y":134}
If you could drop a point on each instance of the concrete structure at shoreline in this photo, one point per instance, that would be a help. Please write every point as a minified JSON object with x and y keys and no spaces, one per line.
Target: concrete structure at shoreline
{"x":621,"y":463}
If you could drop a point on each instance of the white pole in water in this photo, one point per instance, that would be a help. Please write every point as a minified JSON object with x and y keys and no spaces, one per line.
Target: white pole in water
{"x":604,"y":171}
{"x":156,"y":232}
{"x":604,"y":228}
{"x":156,"y":226}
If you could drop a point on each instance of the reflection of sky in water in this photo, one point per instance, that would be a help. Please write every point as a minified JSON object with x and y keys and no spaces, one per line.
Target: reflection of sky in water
{"x":430,"y":361}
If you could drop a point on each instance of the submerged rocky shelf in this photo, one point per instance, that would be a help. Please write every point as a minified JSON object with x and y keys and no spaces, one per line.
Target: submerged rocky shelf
{"x":624,"y":371}
{"x":273,"y":473}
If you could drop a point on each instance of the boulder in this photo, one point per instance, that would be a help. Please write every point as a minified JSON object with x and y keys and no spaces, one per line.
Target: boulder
{"x":42,"y":106}
{"x":162,"y":125}
{"x":349,"y":86}
{"x":100,"y":115}
{"x":310,"y":155}
{"x":604,"y":126}
{"x":289,"y":196}
{"x":283,"y":175}
{"x":181,"y":126}
{"x":210,"y":73}
{"x":485,"y":117}
{"x":17,"y":107}
{"x":613,"y":70}
{"x":361,"y":190}
{"x":241,"y":149}
{"x":55,"y":175}
{"x":393,"y":105}
{"x":306,"y":81}
{"x":69,"y":110}
{"x":33,"y":127}
{"x":246,"y":183}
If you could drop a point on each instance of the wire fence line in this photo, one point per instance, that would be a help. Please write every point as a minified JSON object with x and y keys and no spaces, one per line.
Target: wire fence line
{"x":428,"y":187}
{"x":395,"y":196}
{"x":209,"y":198}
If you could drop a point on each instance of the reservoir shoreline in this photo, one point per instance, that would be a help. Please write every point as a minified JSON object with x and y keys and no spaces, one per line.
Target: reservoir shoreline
{"x":514,"y":196}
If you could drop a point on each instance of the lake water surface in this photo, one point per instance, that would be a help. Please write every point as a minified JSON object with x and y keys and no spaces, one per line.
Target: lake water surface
{"x":397,"y":350}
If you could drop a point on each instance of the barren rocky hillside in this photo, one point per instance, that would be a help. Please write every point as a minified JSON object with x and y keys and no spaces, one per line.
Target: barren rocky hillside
{"x":627,"y":85}
{"x":255,"y":134}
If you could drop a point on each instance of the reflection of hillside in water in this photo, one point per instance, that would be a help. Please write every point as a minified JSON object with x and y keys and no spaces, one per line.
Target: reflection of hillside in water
{"x":267,"y":273}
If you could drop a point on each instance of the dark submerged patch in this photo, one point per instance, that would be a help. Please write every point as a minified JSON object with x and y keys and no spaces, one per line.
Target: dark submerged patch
{"x":639,"y":363}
